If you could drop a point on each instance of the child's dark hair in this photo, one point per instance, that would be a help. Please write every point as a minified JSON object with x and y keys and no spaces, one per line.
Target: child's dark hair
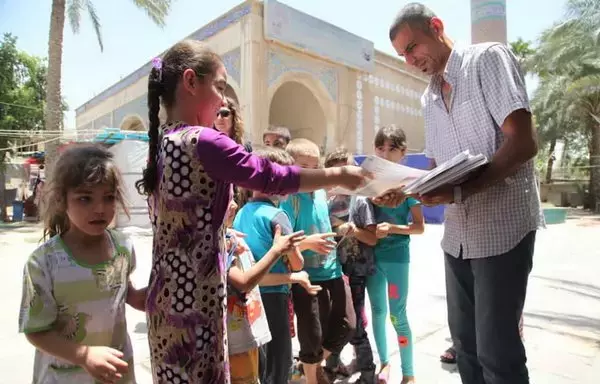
{"x":340,"y":155}
{"x":395,"y":135}
{"x":280,"y":131}
{"x":162,"y":84}
{"x":79,"y":165}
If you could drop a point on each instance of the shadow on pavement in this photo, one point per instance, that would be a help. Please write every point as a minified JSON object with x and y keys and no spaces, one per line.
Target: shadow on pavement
{"x":22,"y":227}
{"x":584,"y":289}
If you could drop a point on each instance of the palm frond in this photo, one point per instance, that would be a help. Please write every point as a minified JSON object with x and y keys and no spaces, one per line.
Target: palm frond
{"x":587,"y":85}
{"x":74,"y":8}
{"x":157,"y":10}
{"x":584,"y":9}
{"x":95,"y":22}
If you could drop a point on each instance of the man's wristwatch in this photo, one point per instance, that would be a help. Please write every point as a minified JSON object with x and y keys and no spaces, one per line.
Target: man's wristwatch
{"x":458,"y":198}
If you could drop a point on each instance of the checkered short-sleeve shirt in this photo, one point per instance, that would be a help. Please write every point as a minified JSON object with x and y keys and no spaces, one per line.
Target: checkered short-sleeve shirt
{"x":487,"y":86}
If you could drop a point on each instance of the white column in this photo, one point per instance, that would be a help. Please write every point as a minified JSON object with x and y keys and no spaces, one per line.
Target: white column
{"x":254,"y":88}
{"x":488,"y":21}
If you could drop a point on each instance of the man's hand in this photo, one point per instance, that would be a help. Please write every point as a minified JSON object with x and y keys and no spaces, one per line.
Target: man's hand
{"x":391,"y":198}
{"x":440,"y":196}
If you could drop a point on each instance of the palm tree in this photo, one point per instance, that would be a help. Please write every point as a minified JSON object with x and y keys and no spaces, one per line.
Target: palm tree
{"x":523,"y":51}
{"x":557,"y":119}
{"x":157,"y":10}
{"x":571,"y":50}
{"x":548,"y":106}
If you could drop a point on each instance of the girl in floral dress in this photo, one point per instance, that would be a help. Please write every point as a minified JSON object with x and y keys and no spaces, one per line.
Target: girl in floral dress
{"x":188,"y":183}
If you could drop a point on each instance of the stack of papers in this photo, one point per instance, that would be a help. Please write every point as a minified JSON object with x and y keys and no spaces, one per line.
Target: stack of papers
{"x":453,"y":171}
{"x":388,"y":175}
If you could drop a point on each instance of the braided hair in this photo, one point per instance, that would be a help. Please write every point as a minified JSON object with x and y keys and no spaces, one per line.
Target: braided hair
{"x":162,"y":85}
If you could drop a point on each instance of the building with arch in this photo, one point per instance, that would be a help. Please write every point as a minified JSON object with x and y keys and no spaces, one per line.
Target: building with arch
{"x":290,"y":69}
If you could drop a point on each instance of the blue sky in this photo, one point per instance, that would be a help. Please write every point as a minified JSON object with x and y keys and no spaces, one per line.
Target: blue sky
{"x":131,"y":39}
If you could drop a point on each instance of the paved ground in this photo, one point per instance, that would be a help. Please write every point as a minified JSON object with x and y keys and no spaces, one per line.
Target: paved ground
{"x":562,"y":314}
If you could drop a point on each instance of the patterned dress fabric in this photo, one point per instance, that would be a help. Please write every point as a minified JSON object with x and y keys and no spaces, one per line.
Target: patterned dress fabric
{"x":186,"y":303}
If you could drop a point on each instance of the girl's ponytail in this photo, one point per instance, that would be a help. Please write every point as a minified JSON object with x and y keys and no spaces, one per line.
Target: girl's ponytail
{"x":147,"y":184}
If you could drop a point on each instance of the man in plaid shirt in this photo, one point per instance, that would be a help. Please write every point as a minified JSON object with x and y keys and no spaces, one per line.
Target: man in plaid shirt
{"x":476,"y":100}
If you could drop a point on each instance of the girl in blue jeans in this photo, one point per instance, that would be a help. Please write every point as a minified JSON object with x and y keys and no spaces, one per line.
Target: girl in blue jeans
{"x":389,"y":283}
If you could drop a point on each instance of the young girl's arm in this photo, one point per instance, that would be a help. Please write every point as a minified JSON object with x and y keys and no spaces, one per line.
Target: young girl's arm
{"x":366,"y":235}
{"x":417,"y":226}
{"x":223,"y":159}
{"x":38,"y":315}
{"x":246,"y":281}
{"x":103,"y":363}
{"x":362,"y":214}
{"x":136,"y":297}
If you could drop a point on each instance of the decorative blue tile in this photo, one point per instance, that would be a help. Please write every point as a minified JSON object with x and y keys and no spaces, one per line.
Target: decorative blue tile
{"x":233,"y":64}
{"x":201,"y":34}
{"x":138,"y":106}
{"x":104,"y":121}
{"x":280,"y":63}
{"x":220,"y":24}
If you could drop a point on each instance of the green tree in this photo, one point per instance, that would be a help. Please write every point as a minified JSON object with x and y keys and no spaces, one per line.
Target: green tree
{"x":157,"y":10}
{"x":22,"y":94}
{"x":524,"y":51}
{"x":554,"y":117}
{"x":571,"y":51}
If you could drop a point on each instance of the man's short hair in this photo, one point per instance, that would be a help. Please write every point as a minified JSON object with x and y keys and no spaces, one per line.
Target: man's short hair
{"x":415,"y":15}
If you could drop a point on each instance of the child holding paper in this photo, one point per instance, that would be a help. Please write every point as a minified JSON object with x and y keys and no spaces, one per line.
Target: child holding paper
{"x":389,"y":283}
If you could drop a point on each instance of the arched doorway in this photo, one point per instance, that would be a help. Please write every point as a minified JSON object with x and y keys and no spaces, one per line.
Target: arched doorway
{"x":133,"y":123}
{"x":294,"y":106}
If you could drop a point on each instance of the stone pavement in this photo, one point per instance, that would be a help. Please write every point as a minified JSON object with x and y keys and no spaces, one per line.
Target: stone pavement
{"x":562,"y":314}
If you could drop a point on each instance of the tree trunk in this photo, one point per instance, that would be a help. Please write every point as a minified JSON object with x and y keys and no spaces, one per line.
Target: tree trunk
{"x":550,"y":163}
{"x":53,"y":114}
{"x":594,"y":164}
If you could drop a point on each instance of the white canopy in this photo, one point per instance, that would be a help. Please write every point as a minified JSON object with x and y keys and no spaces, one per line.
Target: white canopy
{"x":130,"y":156}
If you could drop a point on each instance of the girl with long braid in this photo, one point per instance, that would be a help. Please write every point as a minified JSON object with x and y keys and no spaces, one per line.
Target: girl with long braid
{"x":188,"y":183}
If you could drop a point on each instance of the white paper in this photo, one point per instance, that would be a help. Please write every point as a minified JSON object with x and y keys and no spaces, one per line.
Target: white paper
{"x":386,"y":175}
{"x":449,"y":172}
